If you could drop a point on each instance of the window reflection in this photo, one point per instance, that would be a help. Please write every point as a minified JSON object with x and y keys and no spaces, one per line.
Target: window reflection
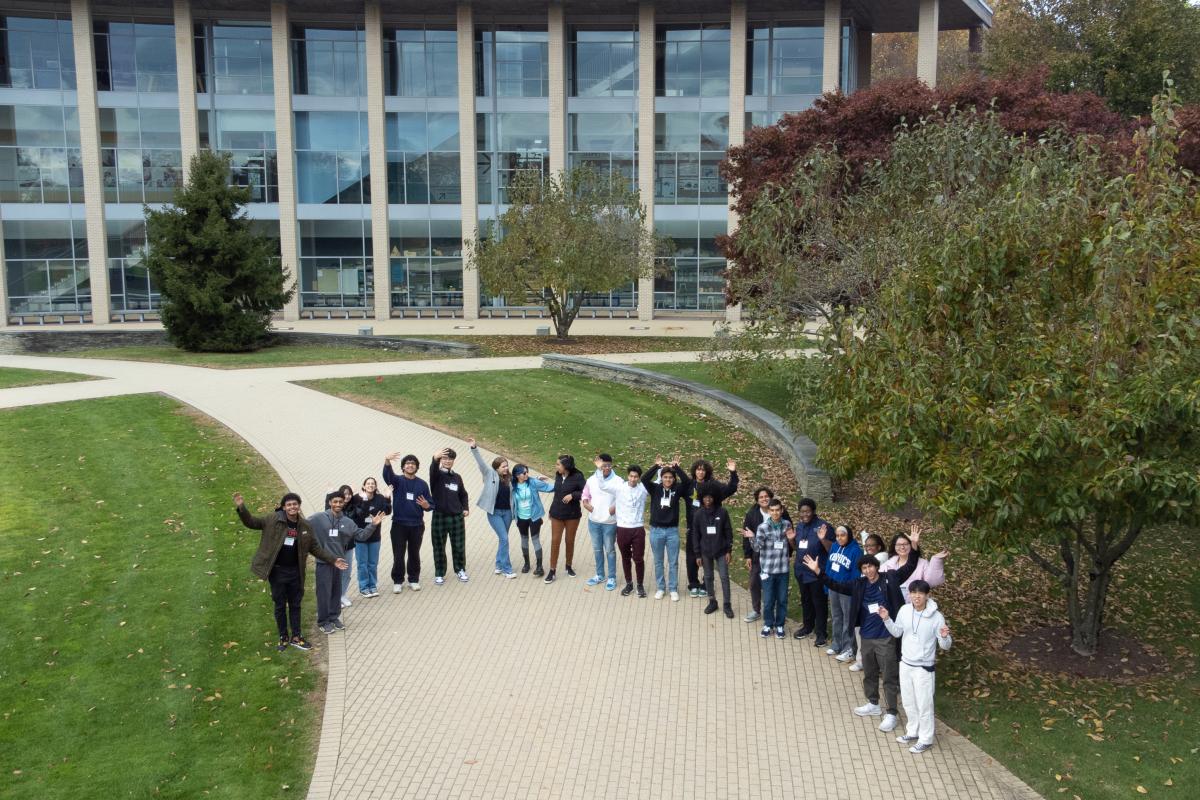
{"x":695,"y":280}
{"x":692,"y":61}
{"x":420,"y":62}
{"x":46,"y":266}
{"x":135,"y":57}
{"x":335,"y":264}
{"x":36,"y":53}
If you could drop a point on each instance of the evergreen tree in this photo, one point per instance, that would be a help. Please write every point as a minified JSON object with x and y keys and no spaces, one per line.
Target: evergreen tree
{"x":220,"y":282}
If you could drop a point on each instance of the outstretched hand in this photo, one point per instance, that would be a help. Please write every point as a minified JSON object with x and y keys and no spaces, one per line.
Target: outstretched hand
{"x":942,"y":555}
{"x":237,"y":499}
{"x":731,"y":465}
{"x":341,"y":564}
{"x":471,"y":442}
{"x":813,"y":565}
{"x":378,"y":518}
{"x":883,"y":612}
{"x":914,"y":534}
{"x":422,"y":502}
{"x":392,"y":456}
{"x":747,"y":533}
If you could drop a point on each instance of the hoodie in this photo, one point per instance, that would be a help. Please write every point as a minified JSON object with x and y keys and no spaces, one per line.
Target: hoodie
{"x":338,"y":535}
{"x":931,"y":571}
{"x":918,"y":634}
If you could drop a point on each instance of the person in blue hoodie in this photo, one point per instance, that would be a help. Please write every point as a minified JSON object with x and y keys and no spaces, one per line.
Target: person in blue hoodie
{"x":811,"y":542}
{"x":411,"y":498}
{"x":842,"y":567}
{"x":527,"y":506}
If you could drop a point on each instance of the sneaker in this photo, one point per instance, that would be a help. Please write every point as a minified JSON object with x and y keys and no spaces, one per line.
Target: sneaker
{"x":729,"y":611}
{"x":438,"y":580}
{"x":300,"y":643}
{"x":674,"y":597}
{"x":510,"y":575}
{"x":346,"y":602}
{"x":868,"y":710}
{"x":628,"y":590}
{"x":497,"y":572}
{"x":779,"y":633}
{"x":610,"y":584}
{"x":339,"y":625}
{"x":693,"y":592}
{"x":753,"y":616}
{"x":595,"y":579}
{"x":397,"y":588}
{"x":525,"y":569}
{"x":831,"y":652}
{"x":819,"y":643}
{"x":906,"y":739}
{"x":919,"y":748}
{"x":765,"y":632}
{"x":539,"y":572}
{"x":845,"y":656}
{"x":283,"y":643}
{"x":462,"y":575}
{"x":549,"y":577}
{"x":856,"y":667}
{"x":416,"y":587}
{"x":889,"y":723}
{"x":374,"y":593}
{"x":801,"y":634}
{"x":659,"y":594}
{"x":641,"y":591}
{"x":327,"y":629}
{"x":711,"y":607}
{"x":701,"y":593}
{"x":570,"y":571}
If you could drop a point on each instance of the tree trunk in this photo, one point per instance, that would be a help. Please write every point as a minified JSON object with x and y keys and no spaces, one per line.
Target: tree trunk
{"x":1087,"y":613}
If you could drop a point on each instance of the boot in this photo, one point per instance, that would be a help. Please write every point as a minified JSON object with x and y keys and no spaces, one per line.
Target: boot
{"x":525,"y":553}
{"x":538,"y":571}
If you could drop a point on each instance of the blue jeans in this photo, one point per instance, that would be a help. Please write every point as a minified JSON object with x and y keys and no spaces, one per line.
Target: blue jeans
{"x":345,"y":577}
{"x":774,"y":594}
{"x":368,"y":565}
{"x":501,"y":521}
{"x":604,"y":543}
{"x":665,"y":541}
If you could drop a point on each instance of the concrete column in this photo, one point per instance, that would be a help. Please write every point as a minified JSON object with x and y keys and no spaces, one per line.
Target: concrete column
{"x":377,"y":143}
{"x":927,"y":41}
{"x":737,"y":109}
{"x":3,"y":280}
{"x":831,"y":62}
{"x":645,"y":155}
{"x":185,"y":69}
{"x":281,"y":71}
{"x":862,"y":48}
{"x":466,"y":155}
{"x":89,"y":140}
{"x":558,"y":89}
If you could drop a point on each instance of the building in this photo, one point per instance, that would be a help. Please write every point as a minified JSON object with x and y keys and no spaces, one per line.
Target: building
{"x":103,"y":104}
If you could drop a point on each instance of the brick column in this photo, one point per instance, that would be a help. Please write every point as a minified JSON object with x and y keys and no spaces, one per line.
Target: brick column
{"x":185,"y":69}
{"x":281,"y":70}
{"x":737,"y":109}
{"x":89,"y":140}
{"x":466,"y":155}
{"x":862,"y":48}
{"x":645,"y":145}
{"x":558,"y":89}
{"x":3,"y":280}
{"x":377,"y":144}
{"x":927,"y":42}
{"x":831,"y":62}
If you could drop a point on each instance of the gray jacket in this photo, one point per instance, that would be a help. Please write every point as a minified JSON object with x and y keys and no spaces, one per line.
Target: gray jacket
{"x":491,"y":484}
{"x":337,"y":537}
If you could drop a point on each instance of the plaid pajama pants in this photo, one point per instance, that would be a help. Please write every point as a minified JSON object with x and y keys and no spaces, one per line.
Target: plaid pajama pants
{"x":452,"y":526}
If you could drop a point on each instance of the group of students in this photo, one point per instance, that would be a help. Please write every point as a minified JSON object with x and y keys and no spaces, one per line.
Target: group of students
{"x":876,"y":597}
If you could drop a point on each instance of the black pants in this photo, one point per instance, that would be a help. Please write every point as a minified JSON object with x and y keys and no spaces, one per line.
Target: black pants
{"x":531,"y":528}
{"x":755,"y":584}
{"x":816,"y":608}
{"x":287,"y":592}
{"x":407,"y":539}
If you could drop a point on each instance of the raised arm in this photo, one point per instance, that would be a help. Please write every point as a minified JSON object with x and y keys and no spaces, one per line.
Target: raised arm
{"x":248,"y":519}
{"x":648,"y":478}
{"x":485,"y":469}
{"x":730,"y":488}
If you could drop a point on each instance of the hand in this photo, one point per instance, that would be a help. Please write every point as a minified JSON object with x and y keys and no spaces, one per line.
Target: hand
{"x":378,"y":518}
{"x":596,"y":462}
{"x":749,"y":564}
{"x":586,"y":504}
{"x":943,"y":554}
{"x":883,"y":612}
{"x":658,"y":462}
{"x":813,"y":565}
{"x":440,"y":454}
{"x":341,"y":564}
{"x":675,"y":461}
{"x":392,"y":456}
{"x":612,"y":510}
{"x":568,"y":498}
{"x":422,"y":502}
{"x":466,"y":512}
{"x":749,"y":534}
{"x":791,"y":534}
{"x":699,"y":562}
{"x":727,"y":558}
{"x":824,"y":531}
{"x":944,"y":631}
{"x":471,"y":442}
{"x":914,"y":534}
{"x":237,"y":499}
{"x":731,"y":465}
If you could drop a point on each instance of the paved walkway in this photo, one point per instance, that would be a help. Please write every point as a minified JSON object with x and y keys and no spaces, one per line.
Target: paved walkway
{"x":499,"y":688}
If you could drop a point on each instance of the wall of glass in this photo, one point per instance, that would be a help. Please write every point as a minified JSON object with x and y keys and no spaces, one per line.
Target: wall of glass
{"x":332,"y":157}
{"x":605,"y":142}
{"x":603,"y":63}
{"x":420,"y":62}
{"x":785,"y":59}
{"x":688,"y":150}
{"x":36,"y":53}
{"x":695,"y":281}
{"x":46,"y":267}
{"x":509,"y":143}
{"x":512,"y":61}
{"x":129,"y":284}
{"x":140,"y":154}
{"x":233,"y":58}
{"x":423,"y":158}
{"x":425,"y":258}
{"x":692,"y":60}
{"x":249,"y":138}
{"x":335,"y":264}
{"x":329,"y":62}
{"x":40,"y":160}
{"x":135,"y":57}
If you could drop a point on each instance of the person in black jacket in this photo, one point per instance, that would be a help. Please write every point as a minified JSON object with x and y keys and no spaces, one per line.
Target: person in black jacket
{"x":450,"y":510}
{"x":755,"y":516}
{"x":365,"y":505}
{"x":868,"y":594}
{"x":713,"y":534}
{"x":564,"y":512}
{"x":665,"y":484}
{"x":702,"y":472}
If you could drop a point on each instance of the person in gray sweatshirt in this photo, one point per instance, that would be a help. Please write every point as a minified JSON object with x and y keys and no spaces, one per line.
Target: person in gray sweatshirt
{"x":336,"y":532}
{"x":921,"y":629}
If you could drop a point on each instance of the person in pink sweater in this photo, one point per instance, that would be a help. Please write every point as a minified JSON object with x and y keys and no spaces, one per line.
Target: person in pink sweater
{"x":930,"y":570}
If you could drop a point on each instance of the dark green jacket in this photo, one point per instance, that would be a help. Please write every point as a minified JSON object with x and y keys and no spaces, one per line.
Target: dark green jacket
{"x":274,"y":529}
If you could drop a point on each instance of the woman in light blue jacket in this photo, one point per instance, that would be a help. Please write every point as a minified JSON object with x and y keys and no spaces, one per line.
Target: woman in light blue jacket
{"x":528,"y":511}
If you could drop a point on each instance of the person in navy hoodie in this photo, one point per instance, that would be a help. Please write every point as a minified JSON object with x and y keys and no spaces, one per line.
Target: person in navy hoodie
{"x":842,"y":567}
{"x":410,"y":500}
{"x":811,"y":542}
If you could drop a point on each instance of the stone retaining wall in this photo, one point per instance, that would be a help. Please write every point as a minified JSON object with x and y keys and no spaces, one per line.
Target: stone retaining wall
{"x":797,"y":450}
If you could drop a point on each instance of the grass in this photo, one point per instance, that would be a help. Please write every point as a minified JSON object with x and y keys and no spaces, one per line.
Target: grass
{"x":577,"y":345}
{"x":285,"y":355}
{"x":768,"y":391}
{"x":138,"y":657}
{"x":12,"y":377}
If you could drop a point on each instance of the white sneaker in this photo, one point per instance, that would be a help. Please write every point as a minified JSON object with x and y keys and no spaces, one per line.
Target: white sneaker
{"x":497,"y":572}
{"x":462,"y":575}
{"x":845,"y":656}
{"x":906,"y":739}
{"x":674,"y":597}
{"x":868,"y":710}
{"x":510,"y":575}
{"x":659,"y":594}
{"x":416,"y":587}
{"x":919,"y":748}
{"x":856,"y":667}
{"x":346,"y":602}
{"x":439,"y":581}
{"x":397,"y":588}
{"x":830,"y":652}
{"x":889,"y":723}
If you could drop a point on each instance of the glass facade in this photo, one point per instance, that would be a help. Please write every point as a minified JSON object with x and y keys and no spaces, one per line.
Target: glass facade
{"x":329,"y":62}
{"x":420,"y":62}
{"x":603,"y":63}
{"x":785,"y":59}
{"x":423,"y":158}
{"x":509,"y":144}
{"x":46,"y":266}
{"x":140,"y":154}
{"x":606,"y":142}
{"x":249,"y":138}
{"x":135,"y":57}
{"x":332,"y":158}
{"x":425,"y":259}
{"x":512,"y":62}
{"x":692,"y":60}
{"x":335,"y":264}
{"x":40,"y":160}
{"x":688,"y":150}
{"x":129,"y":284}
{"x":36,"y":53}
{"x":696,"y":280}
{"x":234,"y":58}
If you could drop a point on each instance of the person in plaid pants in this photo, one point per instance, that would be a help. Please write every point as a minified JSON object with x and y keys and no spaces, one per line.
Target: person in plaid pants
{"x":450,"y":510}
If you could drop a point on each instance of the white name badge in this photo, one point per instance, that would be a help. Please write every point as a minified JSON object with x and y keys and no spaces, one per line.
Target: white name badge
{"x":695,"y":504}
{"x":333,"y":532}
{"x":836,"y":567}
{"x":408,"y":496}
{"x":664,"y":502}
{"x":289,"y":541}
{"x":802,"y":544}
{"x":452,"y":487}
{"x":779,"y":545}
{"x":711,"y":529}
{"x":873,"y":608}
{"x":763,"y":575}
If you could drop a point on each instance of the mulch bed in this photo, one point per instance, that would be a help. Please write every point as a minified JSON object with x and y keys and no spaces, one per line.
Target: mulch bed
{"x":1120,"y":658}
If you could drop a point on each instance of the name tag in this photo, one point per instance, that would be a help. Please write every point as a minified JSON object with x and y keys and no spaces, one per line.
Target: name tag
{"x":779,"y":545}
{"x":802,"y":544}
{"x":763,"y":575}
{"x":289,"y":541}
{"x":873,"y":608}
{"x":333,"y":532}
{"x":836,"y":567}
{"x":409,"y":496}
{"x":695,"y":504}
{"x":711,"y":529}
{"x":664,"y":502}
{"x":452,"y":487}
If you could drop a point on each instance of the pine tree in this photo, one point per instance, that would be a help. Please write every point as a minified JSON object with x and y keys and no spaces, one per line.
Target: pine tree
{"x":219,"y":281}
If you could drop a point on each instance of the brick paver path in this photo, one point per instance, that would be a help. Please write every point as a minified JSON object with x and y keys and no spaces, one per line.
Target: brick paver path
{"x":514,"y":688}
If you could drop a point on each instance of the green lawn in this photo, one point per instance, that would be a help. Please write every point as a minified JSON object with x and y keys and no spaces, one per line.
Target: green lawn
{"x":12,"y":377}
{"x":138,"y":659}
{"x":770,"y":392}
{"x":577,"y":345}
{"x":285,"y":355}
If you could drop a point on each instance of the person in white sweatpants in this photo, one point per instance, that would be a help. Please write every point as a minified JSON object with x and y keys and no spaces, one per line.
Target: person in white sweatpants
{"x":921,"y":629}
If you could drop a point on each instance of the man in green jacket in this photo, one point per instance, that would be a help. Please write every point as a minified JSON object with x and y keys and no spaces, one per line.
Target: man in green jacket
{"x":281,"y":559}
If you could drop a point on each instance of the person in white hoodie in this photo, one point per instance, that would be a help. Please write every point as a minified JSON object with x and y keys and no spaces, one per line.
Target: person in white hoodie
{"x":921,"y":629}
{"x":600,"y":499}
